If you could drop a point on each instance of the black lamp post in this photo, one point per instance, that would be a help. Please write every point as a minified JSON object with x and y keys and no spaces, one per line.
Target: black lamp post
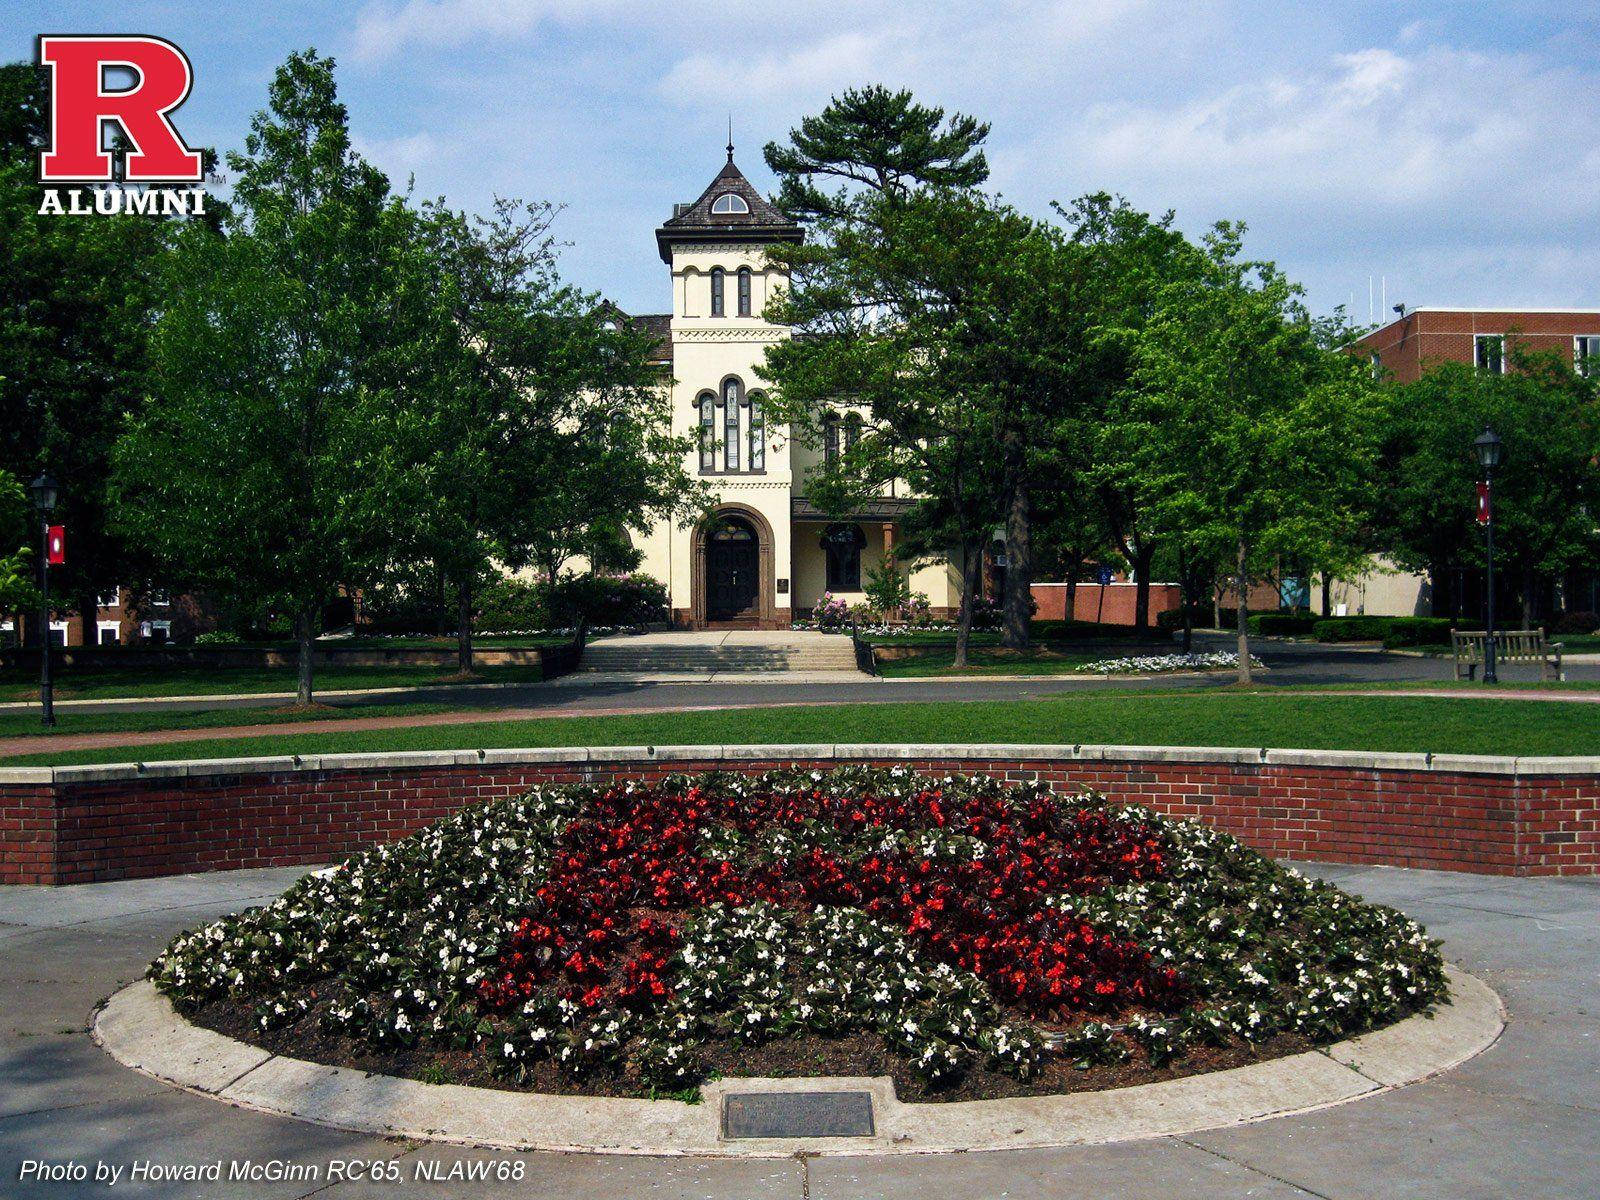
{"x":45,"y":494}
{"x":1489,"y":449}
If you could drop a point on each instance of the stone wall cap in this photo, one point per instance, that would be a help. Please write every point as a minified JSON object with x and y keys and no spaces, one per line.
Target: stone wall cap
{"x":977,"y":754}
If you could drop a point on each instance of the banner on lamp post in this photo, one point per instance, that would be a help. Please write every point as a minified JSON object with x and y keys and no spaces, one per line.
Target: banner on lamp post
{"x":55,"y":542}
{"x":1483,"y":503}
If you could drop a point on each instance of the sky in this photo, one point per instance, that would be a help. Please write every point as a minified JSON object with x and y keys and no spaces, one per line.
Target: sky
{"x":1441,"y":154}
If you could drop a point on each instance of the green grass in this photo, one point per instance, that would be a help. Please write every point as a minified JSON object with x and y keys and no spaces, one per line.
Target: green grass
{"x":989,"y":660}
{"x":26,"y":724}
{"x":140,"y":683}
{"x":1212,"y":718}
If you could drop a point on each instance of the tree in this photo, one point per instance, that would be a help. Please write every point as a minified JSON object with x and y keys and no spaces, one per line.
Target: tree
{"x":539,"y":425}
{"x":1131,"y":259}
{"x":264,"y":471}
{"x":1546,"y":490}
{"x":1252,"y":438}
{"x":76,"y":298}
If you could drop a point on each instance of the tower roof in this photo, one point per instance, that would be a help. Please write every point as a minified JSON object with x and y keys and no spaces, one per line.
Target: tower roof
{"x":696,"y":222}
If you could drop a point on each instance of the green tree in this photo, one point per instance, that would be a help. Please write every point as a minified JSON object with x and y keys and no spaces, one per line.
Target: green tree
{"x":1252,"y":438}
{"x":539,"y":427}
{"x":1546,"y":491}
{"x":76,"y":298}
{"x":264,"y":471}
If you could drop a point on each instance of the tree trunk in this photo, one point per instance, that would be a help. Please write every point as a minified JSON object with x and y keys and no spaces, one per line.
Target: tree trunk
{"x":1327,"y":595}
{"x":464,"y":626}
{"x":1243,"y":616}
{"x":89,"y":612}
{"x":1074,"y":569}
{"x":1019,"y":567}
{"x":971,"y":580}
{"x":1530,"y":588}
{"x":1142,"y":556}
{"x":1184,"y":596}
{"x":305,"y":634}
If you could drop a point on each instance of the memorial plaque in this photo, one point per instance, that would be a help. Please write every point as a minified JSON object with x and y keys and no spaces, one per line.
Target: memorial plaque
{"x":797,"y":1115}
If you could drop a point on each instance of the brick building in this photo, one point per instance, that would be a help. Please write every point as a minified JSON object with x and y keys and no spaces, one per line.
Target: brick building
{"x":1410,"y":344}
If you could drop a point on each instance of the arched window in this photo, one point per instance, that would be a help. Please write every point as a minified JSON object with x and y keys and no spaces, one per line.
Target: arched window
{"x":708,"y":431}
{"x":852,"y":430}
{"x":730,"y":202}
{"x":716,"y":291}
{"x":732,"y":398}
{"x":758,"y":434}
{"x":830,"y":438}
{"x":744,"y":291}
{"x":842,"y":544}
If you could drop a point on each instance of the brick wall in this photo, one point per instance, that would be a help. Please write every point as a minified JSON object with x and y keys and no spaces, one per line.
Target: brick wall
{"x":98,"y":823}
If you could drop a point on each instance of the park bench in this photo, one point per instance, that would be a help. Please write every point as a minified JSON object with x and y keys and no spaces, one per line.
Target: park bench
{"x":1510,"y":646}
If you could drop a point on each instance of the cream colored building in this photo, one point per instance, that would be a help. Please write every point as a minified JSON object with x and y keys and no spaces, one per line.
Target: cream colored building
{"x":768,"y":555}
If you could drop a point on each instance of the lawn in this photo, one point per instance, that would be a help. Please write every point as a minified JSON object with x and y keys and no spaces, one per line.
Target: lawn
{"x":939,"y":659}
{"x":153,"y":682}
{"x":1212,"y":718}
{"x":69,"y":721}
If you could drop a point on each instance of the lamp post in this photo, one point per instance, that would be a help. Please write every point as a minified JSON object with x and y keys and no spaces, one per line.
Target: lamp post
{"x":45,"y":494}
{"x":1489,"y":449}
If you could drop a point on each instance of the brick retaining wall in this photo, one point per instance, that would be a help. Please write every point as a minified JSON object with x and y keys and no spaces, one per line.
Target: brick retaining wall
{"x":1489,"y":815}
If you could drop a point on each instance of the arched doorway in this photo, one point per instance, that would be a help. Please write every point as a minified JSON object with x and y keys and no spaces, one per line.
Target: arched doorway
{"x":733,"y":580}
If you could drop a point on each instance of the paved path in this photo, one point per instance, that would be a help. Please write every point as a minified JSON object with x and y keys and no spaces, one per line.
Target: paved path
{"x":1521,"y":1120}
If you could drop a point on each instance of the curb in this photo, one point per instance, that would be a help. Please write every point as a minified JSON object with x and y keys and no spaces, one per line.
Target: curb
{"x":139,"y":1028}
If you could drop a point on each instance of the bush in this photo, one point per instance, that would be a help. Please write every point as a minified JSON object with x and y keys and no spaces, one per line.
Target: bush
{"x":1202,"y":615}
{"x":606,"y":600}
{"x":917,"y":611}
{"x":886,"y":589}
{"x":1391,"y":631}
{"x":1576,"y":622}
{"x":1281,"y":624}
{"x":511,"y":605}
{"x":831,"y":612}
{"x":218,"y":637}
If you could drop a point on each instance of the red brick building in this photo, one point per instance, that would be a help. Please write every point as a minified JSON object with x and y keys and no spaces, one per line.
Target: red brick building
{"x":1409,"y":345}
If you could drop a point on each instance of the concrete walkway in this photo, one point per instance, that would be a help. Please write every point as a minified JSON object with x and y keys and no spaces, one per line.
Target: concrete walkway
{"x":1521,"y":1119}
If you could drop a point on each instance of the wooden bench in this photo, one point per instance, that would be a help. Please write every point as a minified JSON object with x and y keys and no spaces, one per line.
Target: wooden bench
{"x":1510,"y":646}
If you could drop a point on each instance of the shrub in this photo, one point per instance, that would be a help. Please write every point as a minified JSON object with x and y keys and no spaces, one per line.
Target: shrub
{"x":831,"y":612}
{"x":886,"y":589}
{"x":217,"y":637}
{"x":916,"y":610}
{"x":511,"y":605}
{"x":1281,"y":624}
{"x":1391,"y":631}
{"x":1576,"y":622}
{"x":607,"y":600}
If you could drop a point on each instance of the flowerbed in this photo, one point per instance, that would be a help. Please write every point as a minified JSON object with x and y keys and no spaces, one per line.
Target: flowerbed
{"x":1156,"y":664}
{"x":969,"y":937}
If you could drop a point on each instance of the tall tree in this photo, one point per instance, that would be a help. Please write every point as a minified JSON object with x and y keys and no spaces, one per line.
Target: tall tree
{"x":1252,"y":437}
{"x":1546,"y":491}
{"x":264,"y":471}
{"x":76,"y":298}
{"x":1131,"y":259}
{"x":540,"y":428}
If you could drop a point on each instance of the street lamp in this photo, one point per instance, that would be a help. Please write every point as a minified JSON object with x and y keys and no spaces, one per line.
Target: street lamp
{"x":1489,"y":448}
{"x":45,"y":492}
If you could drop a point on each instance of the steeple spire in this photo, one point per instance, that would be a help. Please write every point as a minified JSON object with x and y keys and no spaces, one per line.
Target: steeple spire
{"x":730,"y":137}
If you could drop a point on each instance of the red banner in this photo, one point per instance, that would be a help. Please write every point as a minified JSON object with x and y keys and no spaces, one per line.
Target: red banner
{"x":56,"y":545}
{"x":1483,"y":503}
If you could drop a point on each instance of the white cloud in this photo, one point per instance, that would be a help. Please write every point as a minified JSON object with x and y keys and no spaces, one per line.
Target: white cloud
{"x":385,"y":28}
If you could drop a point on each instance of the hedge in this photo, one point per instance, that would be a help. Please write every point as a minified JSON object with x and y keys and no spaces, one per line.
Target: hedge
{"x":1391,"y":631}
{"x":1282,"y":624}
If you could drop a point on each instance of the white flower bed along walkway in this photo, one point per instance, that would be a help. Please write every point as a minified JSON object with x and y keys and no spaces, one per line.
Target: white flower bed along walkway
{"x":1157,"y":664}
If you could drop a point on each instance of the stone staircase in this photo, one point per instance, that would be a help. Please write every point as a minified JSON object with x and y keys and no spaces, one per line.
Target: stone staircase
{"x":719,"y":653}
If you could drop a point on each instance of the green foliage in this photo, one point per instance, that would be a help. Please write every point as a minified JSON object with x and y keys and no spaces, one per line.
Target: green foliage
{"x":887,"y":589}
{"x":1545,"y":490}
{"x":1281,"y":624}
{"x":267,"y":471}
{"x":1391,"y":631}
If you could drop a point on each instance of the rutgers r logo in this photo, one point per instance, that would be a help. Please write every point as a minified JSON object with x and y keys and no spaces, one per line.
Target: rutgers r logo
{"x":82,"y":103}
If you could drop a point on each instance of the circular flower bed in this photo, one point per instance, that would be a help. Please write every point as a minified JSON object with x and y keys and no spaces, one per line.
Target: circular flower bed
{"x":969,"y":937}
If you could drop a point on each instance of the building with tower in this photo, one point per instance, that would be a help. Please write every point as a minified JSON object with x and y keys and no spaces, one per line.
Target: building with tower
{"x":768,"y":555}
